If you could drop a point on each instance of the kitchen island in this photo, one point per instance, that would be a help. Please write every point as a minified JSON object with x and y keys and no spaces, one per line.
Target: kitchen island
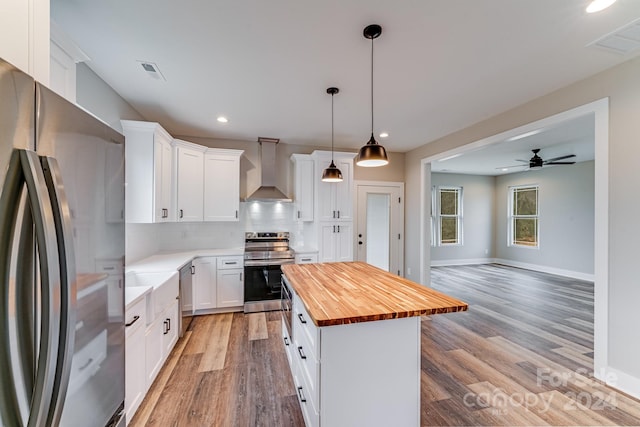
{"x":354,"y":342}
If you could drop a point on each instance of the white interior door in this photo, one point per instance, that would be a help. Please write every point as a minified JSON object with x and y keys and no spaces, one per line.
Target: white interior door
{"x":380,"y":225}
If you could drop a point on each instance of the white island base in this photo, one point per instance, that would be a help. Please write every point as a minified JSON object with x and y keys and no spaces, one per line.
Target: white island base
{"x":359,"y":374}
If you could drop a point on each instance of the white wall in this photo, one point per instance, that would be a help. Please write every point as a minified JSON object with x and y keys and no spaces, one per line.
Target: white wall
{"x":566,"y":208}
{"x":477,"y":219}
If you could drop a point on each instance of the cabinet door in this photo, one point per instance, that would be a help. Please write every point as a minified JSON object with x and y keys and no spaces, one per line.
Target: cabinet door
{"x":344,"y":191}
{"x":326,"y":200}
{"x":230,"y":288}
{"x":221,"y":187}
{"x":327,"y":252}
{"x":344,"y":242}
{"x":190,"y":184}
{"x":336,"y":242}
{"x":154,"y":350}
{"x":304,"y":174}
{"x":171,"y":327}
{"x":162,"y":179}
{"x":135,"y":378}
{"x":204,"y":283}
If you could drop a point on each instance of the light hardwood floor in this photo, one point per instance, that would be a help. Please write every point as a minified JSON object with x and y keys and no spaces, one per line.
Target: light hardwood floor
{"x":521,"y":355}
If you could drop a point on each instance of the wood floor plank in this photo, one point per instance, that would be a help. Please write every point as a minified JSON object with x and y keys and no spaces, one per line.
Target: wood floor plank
{"x":258,"y":326}
{"x":526,"y":339}
{"x":215,"y":352}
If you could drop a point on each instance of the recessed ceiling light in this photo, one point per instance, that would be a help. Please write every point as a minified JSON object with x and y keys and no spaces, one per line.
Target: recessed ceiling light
{"x":524,"y":135}
{"x":450,"y":157}
{"x":384,"y":134}
{"x":598,"y":5}
{"x":222,"y":119}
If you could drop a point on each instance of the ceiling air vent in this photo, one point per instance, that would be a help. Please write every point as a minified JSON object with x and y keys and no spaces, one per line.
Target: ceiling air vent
{"x":152,"y":70}
{"x":622,"y":41}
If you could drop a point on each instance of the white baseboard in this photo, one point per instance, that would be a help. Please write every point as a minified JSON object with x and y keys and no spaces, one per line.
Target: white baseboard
{"x":544,"y":269}
{"x":620,"y":381}
{"x":541,"y":268}
{"x":471,"y":261}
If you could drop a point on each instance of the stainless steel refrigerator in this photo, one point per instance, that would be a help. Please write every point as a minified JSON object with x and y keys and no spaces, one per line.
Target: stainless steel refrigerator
{"x":61,"y":222}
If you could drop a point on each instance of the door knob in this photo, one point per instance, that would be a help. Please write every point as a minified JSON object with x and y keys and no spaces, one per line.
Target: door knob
{"x":359,"y":242}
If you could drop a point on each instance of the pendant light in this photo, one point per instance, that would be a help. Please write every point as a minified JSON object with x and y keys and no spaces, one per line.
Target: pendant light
{"x":332,"y":173}
{"x":372,"y":154}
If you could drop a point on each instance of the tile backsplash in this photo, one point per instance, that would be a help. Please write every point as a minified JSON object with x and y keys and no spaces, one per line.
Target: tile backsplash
{"x":145,"y":239}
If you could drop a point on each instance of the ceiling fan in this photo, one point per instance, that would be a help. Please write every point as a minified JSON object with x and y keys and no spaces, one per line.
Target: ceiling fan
{"x":536,"y":162}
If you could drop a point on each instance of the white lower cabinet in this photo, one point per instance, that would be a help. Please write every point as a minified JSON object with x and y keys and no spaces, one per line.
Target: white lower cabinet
{"x":204,"y":283}
{"x":135,"y":375}
{"x":365,"y":374}
{"x":230,"y":292}
{"x":170,"y":328}
{"x":154,"y":350}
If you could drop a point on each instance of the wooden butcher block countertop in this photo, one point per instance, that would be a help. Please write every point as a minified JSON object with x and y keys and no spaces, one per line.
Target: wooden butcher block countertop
{"x":351,"y":292}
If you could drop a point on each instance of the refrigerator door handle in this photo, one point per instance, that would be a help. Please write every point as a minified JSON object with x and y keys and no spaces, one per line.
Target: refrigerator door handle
{"x":68,"y":288}
{"x":25,"y":170}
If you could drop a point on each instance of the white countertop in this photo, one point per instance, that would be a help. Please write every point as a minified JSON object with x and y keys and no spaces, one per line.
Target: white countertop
{"x":133,"y":294}
{"x":171,"y":261}
{"x":304,"y":249}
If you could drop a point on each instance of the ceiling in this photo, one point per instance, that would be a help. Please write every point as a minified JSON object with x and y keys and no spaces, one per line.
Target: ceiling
{"x":439,"y":65}
{"x":576,"y":136}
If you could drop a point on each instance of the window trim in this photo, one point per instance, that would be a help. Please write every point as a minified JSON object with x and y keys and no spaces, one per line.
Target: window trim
{"x":511,"y":217}
{"x":439,"y":216}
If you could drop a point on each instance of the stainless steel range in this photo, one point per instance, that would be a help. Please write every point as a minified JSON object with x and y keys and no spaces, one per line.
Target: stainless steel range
{"x":264,"y":253}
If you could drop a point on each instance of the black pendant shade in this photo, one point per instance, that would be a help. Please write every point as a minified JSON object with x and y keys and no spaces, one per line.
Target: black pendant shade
{"x":332,"y":173}
{"x":372,"y":154}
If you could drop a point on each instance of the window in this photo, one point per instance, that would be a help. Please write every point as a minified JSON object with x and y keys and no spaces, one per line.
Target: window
{"x":523,"y":216}
{"x":449,"y":215}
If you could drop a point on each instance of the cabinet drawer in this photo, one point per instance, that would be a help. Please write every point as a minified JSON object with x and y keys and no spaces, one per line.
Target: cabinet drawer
{"x":109,"y":266}
{"x":135,"y":317}
{"x":228,"y":262}
{"x":307,"y":405}
{"x":308,"y":365}
{"x":303,"y":325}
{"x":306,"y":258}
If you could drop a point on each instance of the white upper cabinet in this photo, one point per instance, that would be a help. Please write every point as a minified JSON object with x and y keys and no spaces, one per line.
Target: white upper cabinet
{"x":148,"y":172}
{"x":189,"y":160}
{"x":24,"y":36}
{"x":222,"y":184}
{"x":335,"y":199}
{"x":303,"y":186}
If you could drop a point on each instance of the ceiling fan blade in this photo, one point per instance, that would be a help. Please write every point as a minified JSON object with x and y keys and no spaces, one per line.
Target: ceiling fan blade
{"x":559,"y":163}
{"x":520,"y":160}
{"x":560,"y":158}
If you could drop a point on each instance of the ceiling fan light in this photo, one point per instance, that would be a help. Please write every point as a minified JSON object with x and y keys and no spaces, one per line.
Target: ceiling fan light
{"x":372,"y":154}
{"x":332,"y":174}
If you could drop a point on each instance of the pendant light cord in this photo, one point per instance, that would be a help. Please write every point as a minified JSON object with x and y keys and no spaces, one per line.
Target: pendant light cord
{"x":332,"y":128}
{"x":372,"y":86}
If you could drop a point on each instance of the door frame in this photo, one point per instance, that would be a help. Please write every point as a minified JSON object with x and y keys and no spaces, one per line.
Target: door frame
{"x":400,"y":220}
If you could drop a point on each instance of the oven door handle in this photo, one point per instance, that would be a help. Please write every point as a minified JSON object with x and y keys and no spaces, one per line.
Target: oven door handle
{"x":267,"y":262}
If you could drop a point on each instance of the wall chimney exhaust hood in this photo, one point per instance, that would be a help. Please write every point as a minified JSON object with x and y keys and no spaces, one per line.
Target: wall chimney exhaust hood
{"x":268,"y":192}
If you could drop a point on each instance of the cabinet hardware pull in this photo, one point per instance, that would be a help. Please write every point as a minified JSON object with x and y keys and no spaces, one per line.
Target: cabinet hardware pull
{"x":301,"y":396}
{"x":86,"y":365}
{"x":230,"y":262}
{"x":193,"y":269}
{"x":301,"y":318}
{"x":181,"y":213}
{"x":241,"y":277}
{"x":169,"y":324}
{"x":108,"y":268}
{"x":166,"y":330}
{"x":236,"y":213}
{"x":334,"y":214}
{"x":334,"y":228}
{"x":305,"y":259}
{"x":135,"y":319}
{"x":286,"y":341}
{"x":338,"y":214}
{"x":338,"y":229}
{"x":298,"y":214}
{"x":302,"y":355}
